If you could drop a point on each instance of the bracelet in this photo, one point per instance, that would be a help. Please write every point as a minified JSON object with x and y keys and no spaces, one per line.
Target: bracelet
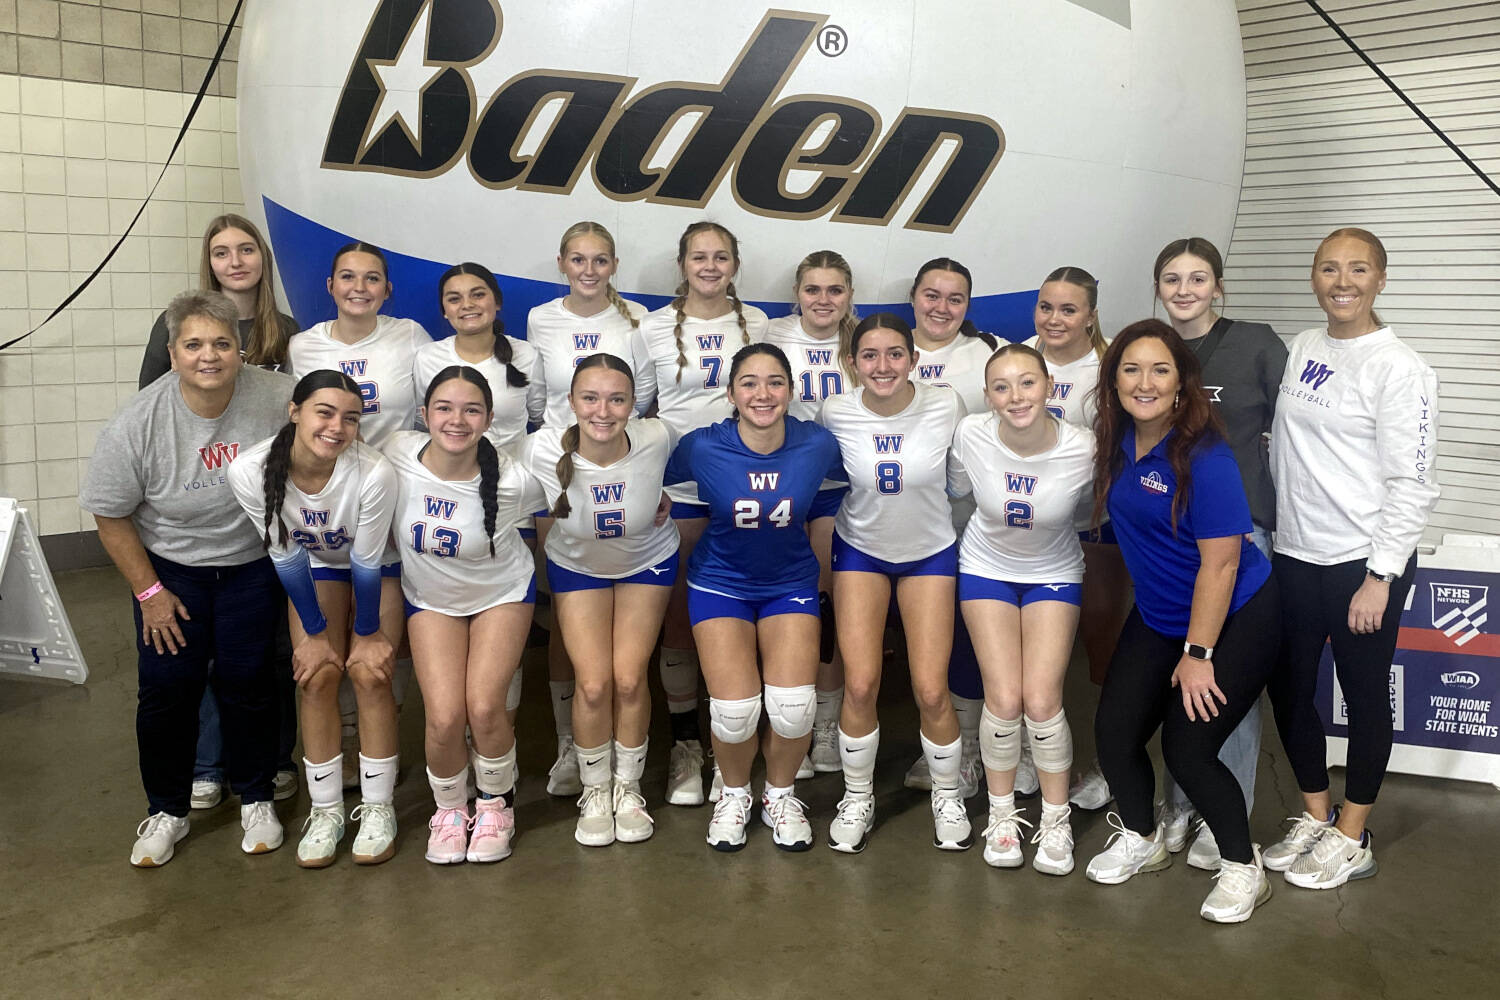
{"x":149,"y":592}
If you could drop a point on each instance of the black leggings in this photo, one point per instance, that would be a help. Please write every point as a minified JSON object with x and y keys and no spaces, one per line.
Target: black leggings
{"x":1317,"y":611}
{"x":1138,"y":697}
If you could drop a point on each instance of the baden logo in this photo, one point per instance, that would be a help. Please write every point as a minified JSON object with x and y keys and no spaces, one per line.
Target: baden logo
{"x":218,"y":454}
{"x":1459,"y":610}
{"x":1152,"y":481}
{"x":745,"y":128}
{"x":1316,"y":373}
{"x":1468,"y":680}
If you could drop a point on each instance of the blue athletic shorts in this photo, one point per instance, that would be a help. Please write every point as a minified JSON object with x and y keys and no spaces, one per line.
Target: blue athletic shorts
{"x":826,"y":503}
{"x":688,"y":511}
{"x":529,"y":598}
{"x":982,"y":588}
{"x":848,"y":559}
{"x":663,"y":574}
{"x":345,"y":575}
{"x":705,"y":604}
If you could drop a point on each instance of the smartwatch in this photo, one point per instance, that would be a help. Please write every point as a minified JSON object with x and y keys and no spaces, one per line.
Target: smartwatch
{"x":1198,"y":652}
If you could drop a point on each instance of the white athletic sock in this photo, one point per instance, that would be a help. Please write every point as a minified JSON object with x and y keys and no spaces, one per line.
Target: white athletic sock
{"x":943,"y":761}
{"x":829,"y":704}
{"x":377,"y":778}
{"x":593,"y":764}
{"x":774,"y":792}
{"x":562,"y":708}
{"x":630,"y":762}
{"x":679,"y":679}
{"x":1000,"y":805}
{"x":857,"y":753}
{"x":1049,"y":809}
{"x":968,"y":711}
{"x":495,"y":776}
{"x":450,"y":793}
{"x":325,"y":786}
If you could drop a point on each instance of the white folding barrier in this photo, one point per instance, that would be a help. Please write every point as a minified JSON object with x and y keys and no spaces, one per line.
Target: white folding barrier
{"x":36,"y":637}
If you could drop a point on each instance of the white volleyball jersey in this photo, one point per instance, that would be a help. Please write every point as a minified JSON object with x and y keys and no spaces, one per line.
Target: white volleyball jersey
{"x":438,"y":528}
{"x":958,"y":364}
{"x":381,"y":363}
{"x":817,"y":369}
{"x":1073,"y":397}
{"x":610,"y":530}
{"x":1023,"y":530}
{"x":562,"y":339}
{"x":347,"y":521}
{"x":897,"y":508}
{"x":701,"y":396}
{"x":513,"y":405}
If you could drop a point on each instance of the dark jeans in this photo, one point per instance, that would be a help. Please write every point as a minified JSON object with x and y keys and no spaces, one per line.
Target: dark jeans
{"x":1138,"y":697}
{"x":1317,"y":611}
{"x":210,"y":762}
{"x":233,"y":610}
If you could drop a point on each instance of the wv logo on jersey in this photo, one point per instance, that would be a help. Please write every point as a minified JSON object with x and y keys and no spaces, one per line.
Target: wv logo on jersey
{"x":929,"y":372}
{"x":1459,"y":610}
{"x":710,"y":341}
{"x":1061,"y":390}
{"x":1315,"y":374}
{"x":608,"y":492}
{"x":218,"y":454}
{"x":354,"y":369}
{"x":763,"y":480}
{"x":887,"y":444}
{"x":585,"y":341}
{"x":1017,"y":483}
{"x":314,"y":518}
{"x":822,"y":356}
{"x":438,"y":507}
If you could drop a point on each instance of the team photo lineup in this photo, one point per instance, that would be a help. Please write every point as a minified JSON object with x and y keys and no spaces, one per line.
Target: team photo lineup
{"x":309,"y":520}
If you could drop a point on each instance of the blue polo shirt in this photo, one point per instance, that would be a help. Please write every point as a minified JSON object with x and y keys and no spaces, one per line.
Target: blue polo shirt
{"x":1164,"y":566}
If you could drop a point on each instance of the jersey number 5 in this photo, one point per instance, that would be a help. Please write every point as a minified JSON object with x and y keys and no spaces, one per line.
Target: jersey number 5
{"x":747,"y":513}
{"x":609,"y":523}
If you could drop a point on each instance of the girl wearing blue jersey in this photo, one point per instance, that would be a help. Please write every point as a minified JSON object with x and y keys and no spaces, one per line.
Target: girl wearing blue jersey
{"x":753,"y":589}
{"x":324,"y":502}
{"x":894,"y":532}
{"x":1020,"y":569}
{"x":611,"y":560}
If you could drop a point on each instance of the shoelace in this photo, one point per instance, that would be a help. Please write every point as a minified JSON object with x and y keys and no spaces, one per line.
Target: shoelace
{"x":1054,"y":834}
{"x":376,"y":811}
{"x":686,"y":762}
{"x":628,"y":798}
{"x":826,"y":736}
{"x":595,"y":801}
{"x":443,"y":820}
{"x":260,"y":812}
{"x":949,"y":808}
{"x":1237,"y":878}
{"x":732,"y":809}
{"x":1013,"y":817}
{"x":1330,"y":846}
{"x":1305,"y":830}
{"x":491,"y":816}
{"x":330,"y":817}
{"x":856,"y":808}
{"x":150,"y":824}
{"x":1123,"y":835}
{"x":779,"y":807}
{"x":566,"y":757}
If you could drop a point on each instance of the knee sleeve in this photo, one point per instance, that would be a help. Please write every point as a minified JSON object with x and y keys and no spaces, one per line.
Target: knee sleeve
{"x":679,"y":674}
{"x":999,"y":742}
{"x":1051,"y":743}
{"x":791,"y":710}
{"x":734,"y":721}
{"x":828,"y":635}
{"x":513,"y":693}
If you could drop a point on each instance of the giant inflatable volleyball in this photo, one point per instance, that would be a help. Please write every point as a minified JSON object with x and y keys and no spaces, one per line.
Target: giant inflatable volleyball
{"x":1015,"y":137}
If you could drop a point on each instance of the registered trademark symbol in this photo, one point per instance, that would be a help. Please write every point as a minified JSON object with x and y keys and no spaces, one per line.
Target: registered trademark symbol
{"x":832,"y":40}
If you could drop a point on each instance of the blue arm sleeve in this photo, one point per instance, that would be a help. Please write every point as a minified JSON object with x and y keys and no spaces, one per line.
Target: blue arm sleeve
{"x":295,"y":571}
{"x":366,"y":598}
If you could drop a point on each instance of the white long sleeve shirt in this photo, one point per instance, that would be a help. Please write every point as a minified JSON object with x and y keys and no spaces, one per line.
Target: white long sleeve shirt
{"x":1354,"y":450}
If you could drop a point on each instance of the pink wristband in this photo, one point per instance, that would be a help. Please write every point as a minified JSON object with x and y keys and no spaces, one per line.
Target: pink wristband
{"x":149,"y":592}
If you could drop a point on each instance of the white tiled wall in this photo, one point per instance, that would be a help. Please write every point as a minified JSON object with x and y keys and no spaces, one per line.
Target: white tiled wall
{"x":76,"y":161}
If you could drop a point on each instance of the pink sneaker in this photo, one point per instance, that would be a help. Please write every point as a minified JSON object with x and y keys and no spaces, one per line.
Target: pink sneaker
{"x":450,"y":837}
{"x":494,"y":825}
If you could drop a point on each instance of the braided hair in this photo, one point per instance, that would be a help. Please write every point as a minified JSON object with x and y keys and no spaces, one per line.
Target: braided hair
{"x":504,"y":349}
{"x":571,"y":436}
{"x":279,"y":458}
{"x":832,"y":260}
{"x":487,"y":456}
{"x":967,"y":327}
{"x":680,"y":300}
{"x":1079,"y":278}
{"x":597,"y":231}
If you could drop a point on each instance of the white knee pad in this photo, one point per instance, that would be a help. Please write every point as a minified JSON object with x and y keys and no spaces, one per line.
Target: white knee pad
{"x":513,"y":693}
{"x":734,"y":721}
{"x":999,"y":741}
{"x":1051,"y":743}
{"x":791,"y":710}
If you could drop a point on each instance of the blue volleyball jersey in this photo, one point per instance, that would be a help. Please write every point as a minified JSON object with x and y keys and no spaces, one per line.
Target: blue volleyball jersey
{"x":755,"y":546}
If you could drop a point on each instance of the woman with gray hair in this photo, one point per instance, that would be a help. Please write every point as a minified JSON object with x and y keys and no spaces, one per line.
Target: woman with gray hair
{"x":204,"y":590}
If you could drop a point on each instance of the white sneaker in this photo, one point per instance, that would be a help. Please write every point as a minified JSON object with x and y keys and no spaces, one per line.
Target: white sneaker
{"x":970,"y":774}
{"x":633,"y":823}
{"x":852,"y":823}
{"x":716,"y":787}
{"x":951,"y":829}
{"x":786,"y":815}
{"x":596,"y":816}
{"x":805,"y":769}
{"x":825,"y":747}
{"x":205,"y":794}
{"x":284,"y":786}
{"x":321,"y":833}
{"x":1177,"y":820}
{"x":1027,"y":782}
{"x":1238,"y":890}
{"x":1091,"y":792}
{"x":1334,"y":860}
{"x":1204,"y":854}
{"x":1002,"y":839}
{"x":262,"y":829}
{"x":1305,"y":831}
{"x":376,"y":841}
{"x":1127,"y":854}
{"x":155,"y":839}
{"x":685,"y":774}
{"x":1054,"y":845}
{"x":726,"y":828}
{"x":562,"y":779}
{"x":919,"y":776}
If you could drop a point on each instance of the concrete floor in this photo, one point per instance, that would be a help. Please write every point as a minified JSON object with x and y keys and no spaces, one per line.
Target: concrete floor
{"x":670,"y":917}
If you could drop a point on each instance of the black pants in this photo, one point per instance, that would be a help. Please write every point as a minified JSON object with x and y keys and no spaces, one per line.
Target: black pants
{"x":1317,"y":611}
{"x":1138,"y":697}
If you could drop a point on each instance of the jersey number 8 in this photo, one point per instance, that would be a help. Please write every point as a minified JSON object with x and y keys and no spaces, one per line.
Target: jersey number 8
{"x":747,"y":513}
{"x":888,"y":477}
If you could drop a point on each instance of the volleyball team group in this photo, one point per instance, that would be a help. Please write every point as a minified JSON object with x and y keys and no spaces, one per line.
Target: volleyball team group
{"x":761,"y":500}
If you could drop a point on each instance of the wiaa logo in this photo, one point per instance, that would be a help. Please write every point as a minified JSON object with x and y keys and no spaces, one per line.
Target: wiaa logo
{"x":1466,"y":679}
{"x":742,"y":124}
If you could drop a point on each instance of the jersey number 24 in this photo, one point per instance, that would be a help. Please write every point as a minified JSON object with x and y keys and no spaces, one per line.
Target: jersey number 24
{"x":747,"y":513}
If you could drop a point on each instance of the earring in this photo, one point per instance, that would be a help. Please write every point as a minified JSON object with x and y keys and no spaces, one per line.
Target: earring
{"x":1176,"y":399}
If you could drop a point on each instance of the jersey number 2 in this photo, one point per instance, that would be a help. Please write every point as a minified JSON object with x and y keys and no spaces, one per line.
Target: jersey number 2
{"x":1018,"y":514}
{"x":747,"y":513}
